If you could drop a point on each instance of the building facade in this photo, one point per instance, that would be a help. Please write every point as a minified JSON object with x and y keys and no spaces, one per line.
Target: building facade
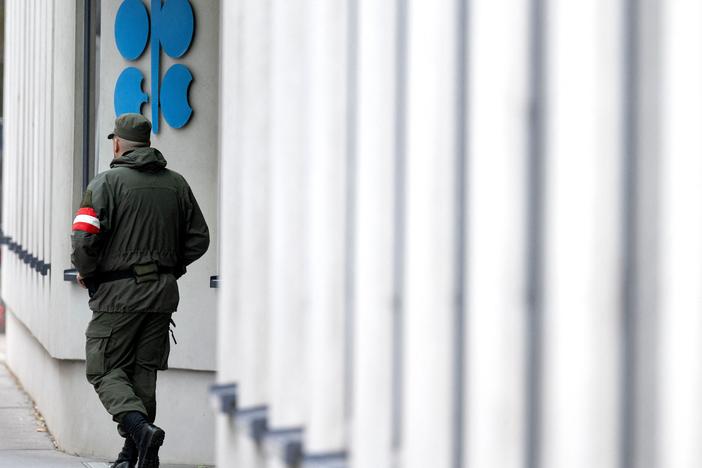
{"x":46,"y":143}
{"x":447,"y":233}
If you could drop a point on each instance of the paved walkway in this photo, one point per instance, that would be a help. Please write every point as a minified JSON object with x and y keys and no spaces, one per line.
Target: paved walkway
{"x":23,"y":440}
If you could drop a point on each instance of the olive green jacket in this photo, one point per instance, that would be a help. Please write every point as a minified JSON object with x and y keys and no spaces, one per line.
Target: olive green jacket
{"x":138,"y":212}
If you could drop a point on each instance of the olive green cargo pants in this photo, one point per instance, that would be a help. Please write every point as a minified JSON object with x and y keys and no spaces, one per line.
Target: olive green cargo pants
{"x":123,"y":353}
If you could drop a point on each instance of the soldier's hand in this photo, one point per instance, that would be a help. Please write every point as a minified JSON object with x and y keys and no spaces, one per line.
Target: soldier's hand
{"x":80,"y":281}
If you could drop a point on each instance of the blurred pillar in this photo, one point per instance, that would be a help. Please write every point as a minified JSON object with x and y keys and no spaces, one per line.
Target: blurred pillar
{"x":680,"y":374}
{"x":376,"y":235}
{"x":254,"y":233}
{"x":431,"y":231}
{"x":498,"y":204}
{"x":327,"y":34}
{"x":288,"y":256}
{"x":254,"y":198}
{"x":230,"y":155}
{"x":228,"y":346}
{"x":582,"y":298}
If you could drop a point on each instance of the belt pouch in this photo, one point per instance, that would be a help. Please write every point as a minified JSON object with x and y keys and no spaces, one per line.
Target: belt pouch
{"x":145,"y":272}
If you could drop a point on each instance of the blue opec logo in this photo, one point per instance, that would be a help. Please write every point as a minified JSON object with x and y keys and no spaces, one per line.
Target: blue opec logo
{"x":171,"y":27}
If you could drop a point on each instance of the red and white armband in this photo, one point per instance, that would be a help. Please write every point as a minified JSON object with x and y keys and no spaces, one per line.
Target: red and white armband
{"x":86,"y":221}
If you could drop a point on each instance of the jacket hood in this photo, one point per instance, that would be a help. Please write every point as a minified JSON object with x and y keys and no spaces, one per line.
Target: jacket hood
{"x":141,"y":159}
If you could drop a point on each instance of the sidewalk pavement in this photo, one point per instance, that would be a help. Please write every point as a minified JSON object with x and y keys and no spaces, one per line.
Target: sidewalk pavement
{"x":24,"y":441}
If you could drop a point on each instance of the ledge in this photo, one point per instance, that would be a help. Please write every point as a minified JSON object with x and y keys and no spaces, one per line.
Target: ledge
{"x":70,"y":275}
{"x":325,"y":460}
{"x":34,"y":262}
{"x":254,"y":421}
{"x":286,"y":444}
{"x":223,"y":398}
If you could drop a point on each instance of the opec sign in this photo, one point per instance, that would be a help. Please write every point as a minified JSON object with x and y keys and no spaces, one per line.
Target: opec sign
{"x":171,"y":28}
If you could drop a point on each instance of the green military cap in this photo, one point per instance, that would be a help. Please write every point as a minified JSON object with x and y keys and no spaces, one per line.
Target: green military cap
{"x":133,"y":127}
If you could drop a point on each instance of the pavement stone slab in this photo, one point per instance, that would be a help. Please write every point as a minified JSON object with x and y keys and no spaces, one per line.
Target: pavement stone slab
{"x":10,"y":396}
{"x":38,"y":459}
{"x":8,"y":384}
{"x":6,"y":378}
{"x":14,"y":400}
{"x":18,"y":430}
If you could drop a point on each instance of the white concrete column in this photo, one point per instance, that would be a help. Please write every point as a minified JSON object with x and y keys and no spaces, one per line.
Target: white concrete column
{"x":229,"y":319}
{"x":31,"y":155}
{"x":39,"y":157}
{"x":24,"y":159}
{"x":229,"y":355}
{"x":288,"y":256}
{"x":63,"y":185}
{"x":37,"y":154}
{"x":375,"y":235}
{"x":9,"y":138}
{"x":22,"y":147}
{"x":497,"y":237}
{"x":325,"y":429}
{"x":254,"y":188}
{"x":430,"y":289}
{"x":15,"y":226}
{"x":680,"y":323}
{"x":42,"y":137}
{"x":35,"y":188}
{"x":42,"y":150}
{"x":47,"y":179}
{"x":583,"y":251}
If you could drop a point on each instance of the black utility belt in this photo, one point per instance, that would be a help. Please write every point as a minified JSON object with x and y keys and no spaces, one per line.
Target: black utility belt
{"x":143,"y":273}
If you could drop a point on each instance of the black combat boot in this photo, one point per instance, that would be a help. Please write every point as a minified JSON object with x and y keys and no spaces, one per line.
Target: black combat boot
{"x":147,"y":438}
{"x":127,"y":458}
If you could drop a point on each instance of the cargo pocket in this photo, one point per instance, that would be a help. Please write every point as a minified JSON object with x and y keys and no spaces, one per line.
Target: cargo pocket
{"x":163,"y":365}
{"x":98,"y":336}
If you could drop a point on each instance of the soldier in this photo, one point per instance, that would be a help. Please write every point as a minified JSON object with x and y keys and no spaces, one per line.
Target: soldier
{"x":137,"y":229}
